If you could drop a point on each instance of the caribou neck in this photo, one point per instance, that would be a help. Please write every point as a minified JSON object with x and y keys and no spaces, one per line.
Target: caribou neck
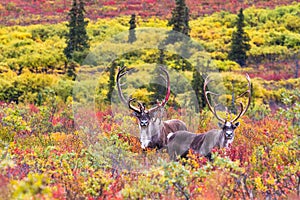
{"x":152,"y":129}
{"x":213,"y":138}
{"x":225,"y":141}
{"x":216,"y":138}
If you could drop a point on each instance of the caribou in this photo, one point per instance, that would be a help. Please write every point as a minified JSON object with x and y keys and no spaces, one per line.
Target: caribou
{"x":180,"y":142}
{"x":153,"y":130}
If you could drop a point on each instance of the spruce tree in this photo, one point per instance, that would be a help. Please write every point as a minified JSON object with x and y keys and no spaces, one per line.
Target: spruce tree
{"x":161,"y":58}
{"x":232,"y":107}
{"x":180,"y":18}
{"x":157,"y":86}
{"x":239,"y":42}
{"x":180,"y":23}
{"x":81,"y":28}
{"x":197,"y":85}
{"x":71,"y":36}
{"x":77,"y":38}
{"x":132,"y":26}
{"x":111,"y":81}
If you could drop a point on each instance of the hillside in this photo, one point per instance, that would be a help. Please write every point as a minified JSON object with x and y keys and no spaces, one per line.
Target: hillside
{"x":274,"y":34}
{"x":24,"y":12}
{"x":65,"y":134}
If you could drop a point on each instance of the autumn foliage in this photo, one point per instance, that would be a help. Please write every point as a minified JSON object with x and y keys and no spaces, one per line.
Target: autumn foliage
{"x":28,"y":12}
{"x":51,"y":148}
{"x":48,"y":162}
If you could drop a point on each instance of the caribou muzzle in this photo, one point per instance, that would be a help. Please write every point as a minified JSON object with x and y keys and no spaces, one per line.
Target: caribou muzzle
{"x":229,"y":135}
{"x":144,"y":123}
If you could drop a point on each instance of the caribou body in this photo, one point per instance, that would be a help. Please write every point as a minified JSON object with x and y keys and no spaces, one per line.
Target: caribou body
{"x":153,"y":130}
{"x":180,"y":142}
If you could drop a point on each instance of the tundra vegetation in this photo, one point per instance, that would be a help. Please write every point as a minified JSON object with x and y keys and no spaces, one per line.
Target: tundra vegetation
{"x":45,"y":154}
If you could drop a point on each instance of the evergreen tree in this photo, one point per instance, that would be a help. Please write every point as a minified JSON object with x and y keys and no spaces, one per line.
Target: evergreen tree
{"x":180,"y":18}
{"x":197,"y":85}
{"x":71,"y":36}
{"x":232,"y":108}
{"x":111,"y":81}
{"x":180,"y":23}
{"x":132,"y":26}
{"x":70,"y":71}
{"x":77,"y":38}
{"x":157,"y":86}
{"x":239,"y":42}
{"x":81,"y":28}
{"x":161,"y":58}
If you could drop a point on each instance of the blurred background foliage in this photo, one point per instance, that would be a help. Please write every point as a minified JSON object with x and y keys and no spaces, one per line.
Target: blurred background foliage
{"x":33,"y":58}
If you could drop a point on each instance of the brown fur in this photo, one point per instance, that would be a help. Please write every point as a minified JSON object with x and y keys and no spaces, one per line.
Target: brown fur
{"x":160,"y":140}
{"x":170,"y":126}
{"x":182,"y":141}
{"x":197,"y":142}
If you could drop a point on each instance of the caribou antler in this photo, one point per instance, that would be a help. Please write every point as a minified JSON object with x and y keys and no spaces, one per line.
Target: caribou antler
{"x":243,"y":111}
{"x":153,"y":131}
{"x":211,"y":108}
{"x":167,"y":80}
{"x":135,"y":109}
{"x":141,"y":106}
{"x":121,"y":72}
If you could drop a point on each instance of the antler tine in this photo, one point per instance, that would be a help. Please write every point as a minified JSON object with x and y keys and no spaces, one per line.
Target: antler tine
{"x":141,"y":106}
{"x":121,"y":72}
{"x":240,"y":114}
{"x":217,"y":116}
{"x":243,"y":111}
{"x":163,"y":102}
{"x":227,"y":113}
{"x":135,"y":109}
{"x":211,"y":108}
{"x":167,"y":79}
{"x":209,"y":92}
{"x":204,"y":87}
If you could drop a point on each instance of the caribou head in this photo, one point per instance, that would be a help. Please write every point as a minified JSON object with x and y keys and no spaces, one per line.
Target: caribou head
{"x":180,"y":142}
{"x":228,"y":127}
{"x":153,"y":131}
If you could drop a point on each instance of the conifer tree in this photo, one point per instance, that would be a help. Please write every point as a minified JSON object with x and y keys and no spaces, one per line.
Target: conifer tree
{"x":81,"y":27}
{"x":232,"y":107}
{"x":77,"y":38}
{"x":157,"y":85}
{"x":71,"y":36}
{"x":132,"y":26}
{"x":180,"y":23}
{"x":197,"y":85}
{"x":111,"y":81}
{"x":161,"y":58}
{"x":180,"y":18}
{"x":239,"y":42}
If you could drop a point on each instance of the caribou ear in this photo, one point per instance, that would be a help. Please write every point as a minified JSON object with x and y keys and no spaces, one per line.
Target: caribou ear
{"x":152,"y":113}
{"x":236,"y":124}
{"x":220,"y":124}
{"x":135,"y":114}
